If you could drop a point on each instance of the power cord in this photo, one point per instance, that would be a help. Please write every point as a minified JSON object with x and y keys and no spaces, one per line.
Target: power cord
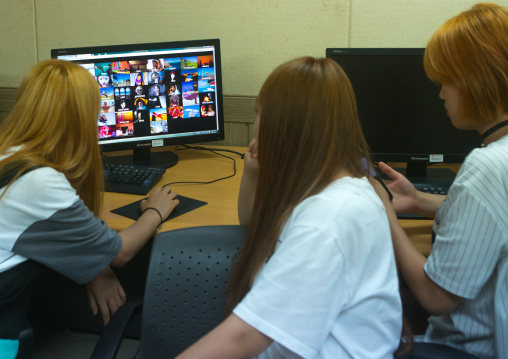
{"x":187,"y":147}
{"x":213,"y":150}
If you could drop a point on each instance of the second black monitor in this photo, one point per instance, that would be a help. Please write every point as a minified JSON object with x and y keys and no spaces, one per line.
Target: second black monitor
{"x":402,"y":116}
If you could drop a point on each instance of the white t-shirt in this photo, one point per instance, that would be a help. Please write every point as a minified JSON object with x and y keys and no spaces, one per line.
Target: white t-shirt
{"x":330,"y":290}
{"x":42,"y":218}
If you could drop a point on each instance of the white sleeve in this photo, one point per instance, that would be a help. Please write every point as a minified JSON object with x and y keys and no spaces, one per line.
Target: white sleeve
{"x":295,"y":300}
{"x":43,"y":219}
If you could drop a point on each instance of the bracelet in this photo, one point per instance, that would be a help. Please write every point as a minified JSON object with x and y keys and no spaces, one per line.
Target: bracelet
{"x":160,"y":215}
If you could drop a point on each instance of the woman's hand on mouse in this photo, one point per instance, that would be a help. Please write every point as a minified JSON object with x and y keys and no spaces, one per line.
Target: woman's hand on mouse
{"x":163,"y":199}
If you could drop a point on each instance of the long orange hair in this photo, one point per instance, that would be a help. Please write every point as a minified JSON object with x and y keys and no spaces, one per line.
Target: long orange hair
{"x":54,"y":123}
{"x":470,"y":51}
{"x":309,"y":131}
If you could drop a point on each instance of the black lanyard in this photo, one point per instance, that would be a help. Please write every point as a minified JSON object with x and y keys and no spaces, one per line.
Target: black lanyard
{"x":493,"y":129}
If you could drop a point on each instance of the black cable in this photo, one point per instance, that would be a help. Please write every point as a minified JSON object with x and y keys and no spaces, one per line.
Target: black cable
{"x":493,"y":129}
{"x":187,"y":147}
{"x":213,"y":150}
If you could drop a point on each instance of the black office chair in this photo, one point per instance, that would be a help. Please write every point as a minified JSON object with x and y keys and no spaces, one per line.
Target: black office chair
{"x":184,"y":295}
{"x":16,"y":285}
{"x":435,"y":351}
{"x":26,"y":342}
{"x":417,"y":320}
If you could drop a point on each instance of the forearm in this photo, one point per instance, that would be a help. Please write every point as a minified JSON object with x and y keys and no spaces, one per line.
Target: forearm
{"x":428,"y":204}
{"x":410,"y":263}
{"x":232,"y":339}
{"x":136,"y":236}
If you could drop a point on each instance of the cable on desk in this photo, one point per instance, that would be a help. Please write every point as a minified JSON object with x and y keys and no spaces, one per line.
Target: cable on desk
{"x":213,"y":150}
{"x":187,"y":147}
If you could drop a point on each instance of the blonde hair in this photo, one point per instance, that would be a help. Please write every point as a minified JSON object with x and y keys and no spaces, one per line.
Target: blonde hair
{"x":308,"y":131}
{"x":470,"y":51}
{"x":54,"y":122}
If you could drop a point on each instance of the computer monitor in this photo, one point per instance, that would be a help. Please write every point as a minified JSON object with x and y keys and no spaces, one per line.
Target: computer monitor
{"x":402,"y":116}
{"x":154,"y":95}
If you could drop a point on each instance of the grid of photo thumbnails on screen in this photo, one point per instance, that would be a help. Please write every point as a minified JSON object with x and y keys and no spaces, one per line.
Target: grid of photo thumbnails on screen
{"x":146,"y":97}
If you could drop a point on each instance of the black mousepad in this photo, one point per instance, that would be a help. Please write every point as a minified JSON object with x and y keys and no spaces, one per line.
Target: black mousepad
{"x":187,"y":204}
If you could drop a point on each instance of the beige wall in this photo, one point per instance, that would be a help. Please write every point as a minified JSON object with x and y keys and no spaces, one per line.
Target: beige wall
{"x":256,"y":35}
{"x":17,"y":41}
{"x":401,"y":23}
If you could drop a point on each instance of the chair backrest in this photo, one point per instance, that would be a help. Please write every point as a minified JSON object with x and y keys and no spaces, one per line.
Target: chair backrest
{"x":185,"y":288}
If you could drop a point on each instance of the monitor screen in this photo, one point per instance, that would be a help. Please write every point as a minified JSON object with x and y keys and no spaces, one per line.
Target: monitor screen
{"x":154,"y":95}
{"x":402,"y":116}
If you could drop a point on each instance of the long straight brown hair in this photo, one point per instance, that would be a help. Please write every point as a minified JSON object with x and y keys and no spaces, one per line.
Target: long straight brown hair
{"x":54,"y":123}
{"x":308,"y":131}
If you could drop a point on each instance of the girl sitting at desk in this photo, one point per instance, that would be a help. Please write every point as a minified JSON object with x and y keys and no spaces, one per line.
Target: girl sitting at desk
{"x":463,"y":284}
{"x":317,"y":275}
{"x":50,"y":196}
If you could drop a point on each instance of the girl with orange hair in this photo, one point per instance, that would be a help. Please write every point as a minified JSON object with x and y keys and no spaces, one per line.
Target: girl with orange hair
{"x":50,"y":195}
{"x":464,"y":282}
{"x":318,"y":263}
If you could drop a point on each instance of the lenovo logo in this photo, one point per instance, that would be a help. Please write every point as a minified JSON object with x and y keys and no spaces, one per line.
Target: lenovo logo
{"x":414,"y":158}
{"x":143,"y":144}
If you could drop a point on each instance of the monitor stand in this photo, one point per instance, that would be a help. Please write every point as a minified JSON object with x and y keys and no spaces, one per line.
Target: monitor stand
{"x":418,"y":173}
{"x":143,"y":156}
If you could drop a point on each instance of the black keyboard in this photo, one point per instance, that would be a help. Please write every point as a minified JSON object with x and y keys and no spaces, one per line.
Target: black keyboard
{"x":430,"y":188}
{"x":427,"y":188}
{"x":131,"y":178}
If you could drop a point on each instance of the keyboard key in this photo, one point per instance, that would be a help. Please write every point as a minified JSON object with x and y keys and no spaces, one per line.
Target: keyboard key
{"x":432,"y":189}
{"x":131,"y":178}
{"x":427,"y":188}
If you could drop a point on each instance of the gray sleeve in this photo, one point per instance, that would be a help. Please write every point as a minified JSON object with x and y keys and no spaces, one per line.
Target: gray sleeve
{"x":72,"y":242}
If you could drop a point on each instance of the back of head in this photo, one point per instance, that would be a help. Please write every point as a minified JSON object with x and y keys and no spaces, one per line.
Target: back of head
{"x":54,"y":121}
{"x":308,"y":131}
{"x":470,"y":51}
{"x":308,"y":120}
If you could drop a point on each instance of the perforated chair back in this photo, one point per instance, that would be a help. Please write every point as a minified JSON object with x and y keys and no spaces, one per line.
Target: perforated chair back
{"x":185,"y":288}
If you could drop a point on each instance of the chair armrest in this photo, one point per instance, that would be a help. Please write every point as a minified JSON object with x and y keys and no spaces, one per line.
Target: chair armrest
{"x":423,"y":350}
{"x":111,"y":337}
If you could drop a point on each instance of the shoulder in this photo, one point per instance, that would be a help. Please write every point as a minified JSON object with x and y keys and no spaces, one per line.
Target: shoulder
{"x":44,"y":186}
{"x":347,"y":198}
{"x":490,"y":159}
{"x":346,"y":206}
{"x":46,"y":179}
{"x":485,"y":172}
{"x":478,"y":199}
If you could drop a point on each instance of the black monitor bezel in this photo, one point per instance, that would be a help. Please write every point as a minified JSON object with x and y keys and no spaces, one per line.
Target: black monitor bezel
{"x":395,"y":156}
{"x":171,"y":141}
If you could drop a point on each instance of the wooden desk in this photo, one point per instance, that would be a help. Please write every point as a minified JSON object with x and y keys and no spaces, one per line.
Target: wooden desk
{"x":420,"y":232}
{"x":222,"y":196}
{"x":193,"y":166}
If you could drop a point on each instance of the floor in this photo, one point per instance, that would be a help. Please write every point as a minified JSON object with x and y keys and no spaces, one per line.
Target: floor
{"x":63,"y":344}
